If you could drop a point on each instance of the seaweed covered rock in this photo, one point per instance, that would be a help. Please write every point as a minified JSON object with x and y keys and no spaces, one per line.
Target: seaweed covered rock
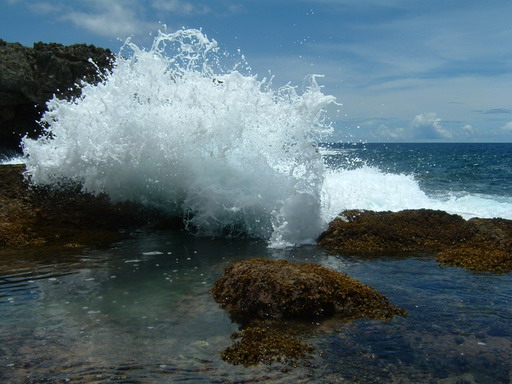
{"x":476,"y":244}
{"x":488,"y":248}
{"x":260,"y":288}
{"x":36,"y":217}
{"x":256,"y":345}
{"x":409,"y":230}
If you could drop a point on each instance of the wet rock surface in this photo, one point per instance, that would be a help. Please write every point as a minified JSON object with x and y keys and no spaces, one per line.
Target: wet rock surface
{"x":488,"y":247}
{"x":33,"y":217}
{"x":475,"y":244}
{"x":254,"y":345}
{"x":408,"y":230}
{"x":260,"y":288}
{"x":29,"y":77}
{"x":260,"y":294}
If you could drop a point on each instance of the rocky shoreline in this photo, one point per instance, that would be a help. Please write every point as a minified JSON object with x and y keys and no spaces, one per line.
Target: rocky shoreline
{"x":32,"y":216}
{"x":265,"y":297}
{"x":475,"y":244}
{"x":39,"y":217}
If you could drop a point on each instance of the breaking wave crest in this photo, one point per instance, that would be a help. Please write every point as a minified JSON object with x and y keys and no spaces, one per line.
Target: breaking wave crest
{"x":172,"y":129}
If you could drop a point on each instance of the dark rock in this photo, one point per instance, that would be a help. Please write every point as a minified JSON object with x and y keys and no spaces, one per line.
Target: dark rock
{"x":476,"y":244}
{"x":29,"y":77}
{"x":34,"y":217}
{"x":260,"y":288}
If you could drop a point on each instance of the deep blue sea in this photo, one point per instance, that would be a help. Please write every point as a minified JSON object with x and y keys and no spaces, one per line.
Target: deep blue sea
{"x":439,"y":168}
{"x":140,"y":312}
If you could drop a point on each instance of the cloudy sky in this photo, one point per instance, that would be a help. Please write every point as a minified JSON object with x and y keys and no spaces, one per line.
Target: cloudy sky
{"x":404,"y":70}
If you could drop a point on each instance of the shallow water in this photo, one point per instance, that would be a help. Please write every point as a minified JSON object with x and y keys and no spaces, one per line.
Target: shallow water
{"x":141,"y":312}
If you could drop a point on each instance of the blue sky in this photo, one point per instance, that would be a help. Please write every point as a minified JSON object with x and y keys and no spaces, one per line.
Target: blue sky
{"x":404,"y":70}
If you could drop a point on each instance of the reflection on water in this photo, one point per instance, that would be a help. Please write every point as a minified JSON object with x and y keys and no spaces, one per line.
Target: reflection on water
{"x":141,"y":312}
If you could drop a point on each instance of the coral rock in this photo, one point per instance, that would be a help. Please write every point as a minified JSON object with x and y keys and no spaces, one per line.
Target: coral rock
{"x":476,"y":244}
{"x":260,"y":288}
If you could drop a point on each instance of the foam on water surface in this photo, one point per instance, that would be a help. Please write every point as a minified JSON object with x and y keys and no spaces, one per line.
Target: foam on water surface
{"x":369,"y":188}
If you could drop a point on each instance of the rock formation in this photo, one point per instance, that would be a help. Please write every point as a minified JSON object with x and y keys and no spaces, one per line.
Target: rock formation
{"x":34,"y":217}
{"x":260,"y":288}
{"x":476,"y":244}
{"x":29,"y":77}
{"x":263,"y":294}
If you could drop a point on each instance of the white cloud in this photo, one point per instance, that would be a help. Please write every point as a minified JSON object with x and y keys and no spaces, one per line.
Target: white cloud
{"x":179,"y":7}
{"x":507,"y":127}
{"x":390,"y":133}
{"x":111,"y":19}
{"x":469,"y":130}
{"x":428,"y":126}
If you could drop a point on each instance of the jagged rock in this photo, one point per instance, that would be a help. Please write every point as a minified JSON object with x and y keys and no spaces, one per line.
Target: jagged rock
{"x":29,"y":77}
{"x":476,"y":244}
{"x":259,"y":288}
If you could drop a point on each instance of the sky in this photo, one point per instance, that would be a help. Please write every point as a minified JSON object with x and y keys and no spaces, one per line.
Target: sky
{"x":402,"y":70}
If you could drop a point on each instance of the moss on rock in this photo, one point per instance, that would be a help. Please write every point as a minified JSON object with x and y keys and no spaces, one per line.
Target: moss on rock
{"x":489,"y":248}
{"x":260,"y":294}
{"x":39,"y":216}
{"x":260,"y":288}
{"x":476,"y":244}
{"x":409,"y":230}
{"x":255,"y":345}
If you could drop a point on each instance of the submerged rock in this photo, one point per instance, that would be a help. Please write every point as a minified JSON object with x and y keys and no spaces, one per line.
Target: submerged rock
{"x":32,"y":216}
{"x":476,"y":244}
{"x":260,"y":288}
{"x":256,"y":345}
{"x":29,"y":77}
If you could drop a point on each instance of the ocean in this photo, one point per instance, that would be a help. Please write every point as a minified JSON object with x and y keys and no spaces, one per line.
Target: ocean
{"x":253,"y":170}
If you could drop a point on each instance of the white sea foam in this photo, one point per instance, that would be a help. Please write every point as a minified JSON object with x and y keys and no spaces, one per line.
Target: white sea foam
{"x":171,"y":129}
{"x":369,"y":188}
{"x":12,"y":160}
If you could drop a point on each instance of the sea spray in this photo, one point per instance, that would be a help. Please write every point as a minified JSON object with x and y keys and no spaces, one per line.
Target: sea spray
{"x":367,"y":187}
{"x":170,"y":128}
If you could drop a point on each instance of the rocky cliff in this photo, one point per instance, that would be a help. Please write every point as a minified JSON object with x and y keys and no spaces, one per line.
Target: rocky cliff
{"x":29,"y":77}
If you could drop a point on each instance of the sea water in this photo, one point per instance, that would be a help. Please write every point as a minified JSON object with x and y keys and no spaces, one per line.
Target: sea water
{"x":174,"y":128}
{"x":468,"y":179}
{"x":140,"y":312}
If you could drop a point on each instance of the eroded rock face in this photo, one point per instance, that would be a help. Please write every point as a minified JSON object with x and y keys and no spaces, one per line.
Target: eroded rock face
{"x":260,"y":288}
{"x":29,"y":77}
{"x":476,"y":244}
